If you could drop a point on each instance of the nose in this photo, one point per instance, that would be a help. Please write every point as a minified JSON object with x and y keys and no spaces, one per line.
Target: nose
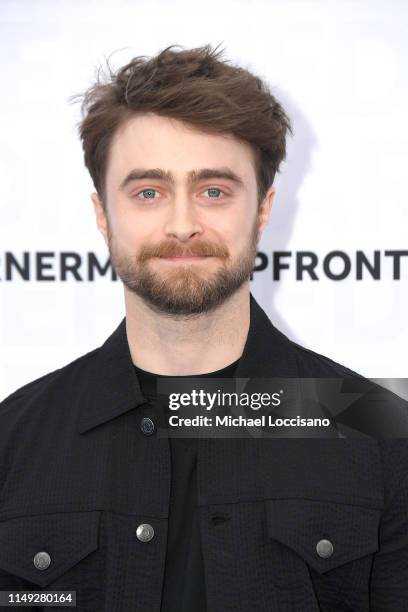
{"x":183,"y":222}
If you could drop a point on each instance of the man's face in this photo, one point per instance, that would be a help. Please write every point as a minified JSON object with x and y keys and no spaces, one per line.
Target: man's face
{"x":184,"y":242}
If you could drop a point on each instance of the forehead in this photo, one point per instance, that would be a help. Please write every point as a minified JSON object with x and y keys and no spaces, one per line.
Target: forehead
{"x":149,"y":140}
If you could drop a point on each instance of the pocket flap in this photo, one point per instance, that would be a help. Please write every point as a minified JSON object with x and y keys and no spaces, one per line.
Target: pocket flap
{"x":64,"y":537}
{"x":325,"y":534}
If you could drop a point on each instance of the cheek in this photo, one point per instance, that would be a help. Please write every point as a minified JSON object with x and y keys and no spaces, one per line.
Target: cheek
{"x":126,"y":236}
{"x":129,"y":229}
{"x":227,"y":227}
{"x":236,"y":231}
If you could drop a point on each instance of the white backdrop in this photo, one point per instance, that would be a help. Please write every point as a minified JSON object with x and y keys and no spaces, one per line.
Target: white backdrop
{"x":340,"y":70}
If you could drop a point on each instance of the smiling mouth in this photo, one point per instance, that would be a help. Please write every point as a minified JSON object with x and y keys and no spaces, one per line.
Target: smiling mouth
{"x":186,"y":258}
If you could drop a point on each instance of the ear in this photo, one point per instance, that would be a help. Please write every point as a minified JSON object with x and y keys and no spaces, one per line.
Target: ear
{"x":265,"y":209}
{"x":101,"y":217}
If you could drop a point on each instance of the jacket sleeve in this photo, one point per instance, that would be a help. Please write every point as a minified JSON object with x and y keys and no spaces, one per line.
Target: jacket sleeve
{"x":389,"y":576}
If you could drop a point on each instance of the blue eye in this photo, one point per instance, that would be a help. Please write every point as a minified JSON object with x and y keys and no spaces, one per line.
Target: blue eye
{"x":212,"y":189}
{"x":151,"y":191}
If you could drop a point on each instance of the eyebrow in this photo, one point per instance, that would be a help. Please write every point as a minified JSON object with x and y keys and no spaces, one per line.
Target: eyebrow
{"x":194,"y":176}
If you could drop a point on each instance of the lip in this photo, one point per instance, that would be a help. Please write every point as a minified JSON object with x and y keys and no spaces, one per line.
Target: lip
{"x":189,"y":258}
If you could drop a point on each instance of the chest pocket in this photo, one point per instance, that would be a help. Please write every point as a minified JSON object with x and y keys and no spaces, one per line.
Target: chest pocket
{"x":325,"y":534}
{"x":41,"y":548}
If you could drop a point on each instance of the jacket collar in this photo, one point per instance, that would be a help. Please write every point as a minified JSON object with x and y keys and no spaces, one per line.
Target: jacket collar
{"x":114,"y":388}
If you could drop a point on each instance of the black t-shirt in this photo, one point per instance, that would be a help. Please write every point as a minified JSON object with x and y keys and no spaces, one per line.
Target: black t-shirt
{"x":184,"y":582}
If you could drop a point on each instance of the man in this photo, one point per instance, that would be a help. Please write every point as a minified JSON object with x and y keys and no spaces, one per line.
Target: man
{"x":183,"y":150}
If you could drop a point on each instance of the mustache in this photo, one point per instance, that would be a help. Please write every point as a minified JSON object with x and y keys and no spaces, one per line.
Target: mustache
{"x":168,"y":249}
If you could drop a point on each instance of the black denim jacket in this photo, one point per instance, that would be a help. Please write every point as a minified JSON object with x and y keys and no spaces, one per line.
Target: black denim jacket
{"x":78,"y":477}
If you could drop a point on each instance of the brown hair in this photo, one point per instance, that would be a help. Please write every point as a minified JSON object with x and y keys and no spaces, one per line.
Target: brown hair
{"x":193,"y":86}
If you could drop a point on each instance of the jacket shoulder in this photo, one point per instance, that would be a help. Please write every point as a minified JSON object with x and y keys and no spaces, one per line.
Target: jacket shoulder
{"x":315,"y":364}
{"x":41,"y":385}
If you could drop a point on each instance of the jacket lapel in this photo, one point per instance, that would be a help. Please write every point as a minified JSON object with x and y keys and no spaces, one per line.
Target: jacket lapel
{"x":112,"y":387}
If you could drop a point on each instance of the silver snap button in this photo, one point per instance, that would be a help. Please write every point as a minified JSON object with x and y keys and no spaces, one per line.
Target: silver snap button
{"x":324,"y":548}
{"x":42,"y":560}
{"x":145,"y":532}
{"x":147,"y":426}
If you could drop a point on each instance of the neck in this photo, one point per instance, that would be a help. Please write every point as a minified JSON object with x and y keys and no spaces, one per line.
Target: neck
{"x":181,"y":345}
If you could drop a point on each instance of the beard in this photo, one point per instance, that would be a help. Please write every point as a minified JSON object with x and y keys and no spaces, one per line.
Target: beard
{"x":185,"y":288}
